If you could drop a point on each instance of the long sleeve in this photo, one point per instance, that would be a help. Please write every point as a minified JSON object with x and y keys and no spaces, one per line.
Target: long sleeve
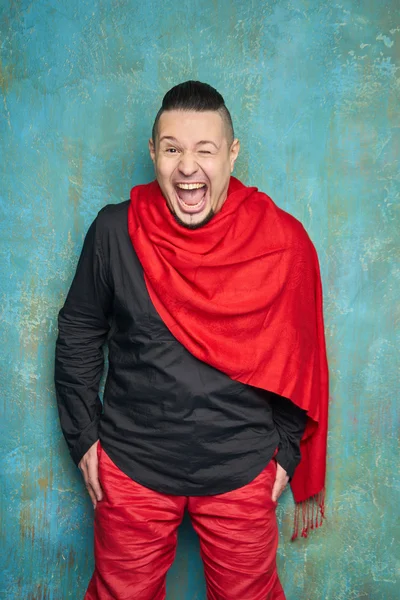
{"x":79,"y":361}
{"x":290,"y":421}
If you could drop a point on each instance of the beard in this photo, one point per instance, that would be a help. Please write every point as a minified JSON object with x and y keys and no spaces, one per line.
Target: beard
{"x":192,"y":226}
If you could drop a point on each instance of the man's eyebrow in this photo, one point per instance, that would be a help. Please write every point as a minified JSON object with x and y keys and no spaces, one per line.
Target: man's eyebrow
{"x":207,"y":142}
{"x":169,"y":138}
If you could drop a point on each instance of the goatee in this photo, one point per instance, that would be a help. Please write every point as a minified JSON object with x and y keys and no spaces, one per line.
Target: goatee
{"x":192,"y":226}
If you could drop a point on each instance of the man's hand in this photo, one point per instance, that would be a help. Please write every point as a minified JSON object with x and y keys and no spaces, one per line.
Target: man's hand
{"x":281,"y":480}
{"x":89,"y":465}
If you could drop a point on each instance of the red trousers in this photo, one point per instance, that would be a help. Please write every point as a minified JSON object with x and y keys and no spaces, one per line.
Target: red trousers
{"x":136,"y":536}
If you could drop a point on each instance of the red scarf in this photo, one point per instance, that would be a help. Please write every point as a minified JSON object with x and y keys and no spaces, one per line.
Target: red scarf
{"x":243,"y":294}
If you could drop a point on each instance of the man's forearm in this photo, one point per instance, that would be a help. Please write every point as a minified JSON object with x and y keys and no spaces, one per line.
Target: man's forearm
{"x":78,"y":369}
{"x":290,"y":421}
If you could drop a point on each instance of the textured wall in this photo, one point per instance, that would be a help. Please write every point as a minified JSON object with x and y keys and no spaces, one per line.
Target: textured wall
{"x":314,"y":91}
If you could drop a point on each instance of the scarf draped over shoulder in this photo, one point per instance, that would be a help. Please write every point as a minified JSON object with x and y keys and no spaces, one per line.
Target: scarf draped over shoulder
{"x":243,"y":294}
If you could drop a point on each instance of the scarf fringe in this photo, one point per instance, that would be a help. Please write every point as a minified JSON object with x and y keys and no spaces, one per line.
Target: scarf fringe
{"x":309,"y":515}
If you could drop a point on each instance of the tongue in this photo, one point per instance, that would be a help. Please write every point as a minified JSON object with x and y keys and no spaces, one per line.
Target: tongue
{"x":191,"y":197}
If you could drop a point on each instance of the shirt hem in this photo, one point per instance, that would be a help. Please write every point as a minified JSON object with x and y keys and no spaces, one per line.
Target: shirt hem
{"x":188,"y":489}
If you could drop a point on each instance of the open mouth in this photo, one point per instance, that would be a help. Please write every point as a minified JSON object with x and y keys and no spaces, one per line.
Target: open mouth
{"x":191,"y":196}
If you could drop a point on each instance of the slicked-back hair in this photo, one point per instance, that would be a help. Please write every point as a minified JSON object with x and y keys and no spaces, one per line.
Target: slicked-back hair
{"x":197,"y":96}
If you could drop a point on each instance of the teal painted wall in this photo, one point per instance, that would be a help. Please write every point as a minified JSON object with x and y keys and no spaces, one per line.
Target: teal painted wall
{"x":314,"y":92}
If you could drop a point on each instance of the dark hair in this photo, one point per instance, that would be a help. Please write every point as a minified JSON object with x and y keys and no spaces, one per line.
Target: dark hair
{"x":195,"y":95}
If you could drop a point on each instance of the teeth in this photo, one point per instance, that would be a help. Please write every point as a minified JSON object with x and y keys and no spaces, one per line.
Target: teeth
{"x":190,"y":186}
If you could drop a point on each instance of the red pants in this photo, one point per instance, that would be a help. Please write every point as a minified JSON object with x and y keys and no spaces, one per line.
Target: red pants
{"x":136,"y":536}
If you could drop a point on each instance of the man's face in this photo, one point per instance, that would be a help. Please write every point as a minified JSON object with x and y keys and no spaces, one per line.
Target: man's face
{"x":193,"y":161}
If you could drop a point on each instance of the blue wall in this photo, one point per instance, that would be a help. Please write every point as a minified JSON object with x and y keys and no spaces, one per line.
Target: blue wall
{"x":314,"y":92}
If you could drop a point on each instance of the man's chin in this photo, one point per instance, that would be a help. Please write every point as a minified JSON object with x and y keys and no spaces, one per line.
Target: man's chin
{"x":189,"y":223}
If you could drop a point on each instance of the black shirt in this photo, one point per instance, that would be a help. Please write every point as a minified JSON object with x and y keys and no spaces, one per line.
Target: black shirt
{"x":169,"y":421}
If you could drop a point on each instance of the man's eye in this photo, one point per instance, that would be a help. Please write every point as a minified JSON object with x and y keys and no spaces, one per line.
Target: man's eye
{"x":204,"y":152}
{"x":172,"y":150}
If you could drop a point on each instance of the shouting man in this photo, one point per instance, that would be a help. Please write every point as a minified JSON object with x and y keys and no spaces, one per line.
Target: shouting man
{"x":209,"y":298}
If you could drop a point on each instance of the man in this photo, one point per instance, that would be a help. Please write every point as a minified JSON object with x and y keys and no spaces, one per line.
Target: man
{"x":209,"y":298}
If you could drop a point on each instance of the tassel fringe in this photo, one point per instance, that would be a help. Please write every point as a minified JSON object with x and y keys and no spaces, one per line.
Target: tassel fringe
{"x":309,"y":515}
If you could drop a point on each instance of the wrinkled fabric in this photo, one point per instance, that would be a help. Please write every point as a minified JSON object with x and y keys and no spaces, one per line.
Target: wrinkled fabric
{"x":136,"y":536}
{"x":169,"y":421}
{"x":243,"y":294}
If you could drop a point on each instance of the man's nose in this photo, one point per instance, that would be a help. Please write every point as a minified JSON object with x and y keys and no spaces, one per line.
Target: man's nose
{"x":187,"y":164}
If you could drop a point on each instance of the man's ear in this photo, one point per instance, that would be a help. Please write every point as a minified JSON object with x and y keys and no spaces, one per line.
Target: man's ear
{"x":234,"y":153}
{"x":152,"y":150}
